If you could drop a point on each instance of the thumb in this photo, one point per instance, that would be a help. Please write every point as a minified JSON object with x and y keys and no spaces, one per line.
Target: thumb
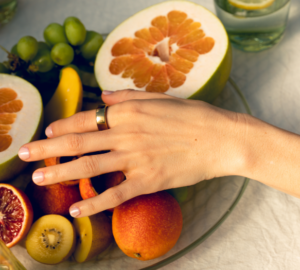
{"x":113,"y":97}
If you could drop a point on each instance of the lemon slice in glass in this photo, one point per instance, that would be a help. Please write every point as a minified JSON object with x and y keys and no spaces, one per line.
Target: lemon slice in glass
{"x":251,"y":4}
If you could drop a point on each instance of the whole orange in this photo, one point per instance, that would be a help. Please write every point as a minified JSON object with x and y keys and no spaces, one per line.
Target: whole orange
{"x":147,"y":226}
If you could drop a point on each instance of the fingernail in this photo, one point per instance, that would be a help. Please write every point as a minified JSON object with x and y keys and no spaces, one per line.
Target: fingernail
{"x":49,"y":132}
{"x":23,"y":153}
{"x":38,"y":177}
{"x":74,"y":211}
{"x":106,"y":92}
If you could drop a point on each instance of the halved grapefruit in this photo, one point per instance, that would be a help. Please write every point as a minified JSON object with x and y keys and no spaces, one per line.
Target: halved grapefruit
{"x":16,"y":214}
{"x":176,"y":47}
{"x":21,"y":112}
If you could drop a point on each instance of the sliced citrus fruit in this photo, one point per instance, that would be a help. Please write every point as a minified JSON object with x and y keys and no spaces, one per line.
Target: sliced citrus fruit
{"x":176,"y":47}
{"x":21,"y":111}
{"x":16,"y":214}
{"x":251,"y":4}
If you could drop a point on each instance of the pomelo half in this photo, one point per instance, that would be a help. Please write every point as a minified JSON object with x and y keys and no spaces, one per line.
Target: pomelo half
{"x":175,"y":47}
{"x":21,"y":112}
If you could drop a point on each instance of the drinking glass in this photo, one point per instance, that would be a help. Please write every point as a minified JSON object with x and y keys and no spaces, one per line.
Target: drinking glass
{"x":253,"y":30}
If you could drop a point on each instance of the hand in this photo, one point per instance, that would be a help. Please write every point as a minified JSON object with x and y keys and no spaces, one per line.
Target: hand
{"x":158,"y":141}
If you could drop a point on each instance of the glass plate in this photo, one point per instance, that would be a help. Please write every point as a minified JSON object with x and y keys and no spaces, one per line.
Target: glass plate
{"x":209,"y":203}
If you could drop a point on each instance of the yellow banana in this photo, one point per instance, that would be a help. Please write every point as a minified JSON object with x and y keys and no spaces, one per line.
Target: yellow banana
{"x":67,"y":99}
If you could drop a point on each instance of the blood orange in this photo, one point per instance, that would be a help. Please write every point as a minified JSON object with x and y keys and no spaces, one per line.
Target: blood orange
{"x":16,"y":214}
{"x":176,"y":47}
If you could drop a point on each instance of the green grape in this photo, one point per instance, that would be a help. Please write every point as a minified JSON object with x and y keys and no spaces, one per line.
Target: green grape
{"x":43,"y":45}
{"x":43,"y":60}
{"x":91,"y":45}
{"x":75,"y":31}
{"x":54,"y":33}
{"x":14,"y":50}
{"x":3,"y":69}
{"x":71,"y":66}
{"x":27,"y":48}
{"x":62,"y":54}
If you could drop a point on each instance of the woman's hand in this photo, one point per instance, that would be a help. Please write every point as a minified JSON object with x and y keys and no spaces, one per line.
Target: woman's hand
{"x":158,"y":141}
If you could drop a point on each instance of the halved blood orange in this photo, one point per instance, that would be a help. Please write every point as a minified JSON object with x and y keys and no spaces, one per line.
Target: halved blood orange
{"x":20,"y":121}
{"x":176,"y":47}
{"x":16,"y":214}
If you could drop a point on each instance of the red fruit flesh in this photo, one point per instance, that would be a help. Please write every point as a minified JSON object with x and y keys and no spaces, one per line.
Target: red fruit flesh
{"x":15,"y":215}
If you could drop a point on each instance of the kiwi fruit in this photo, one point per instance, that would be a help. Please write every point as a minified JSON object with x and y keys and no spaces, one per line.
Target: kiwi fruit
{"x":94,"y":234}
{"x":51,"y":239}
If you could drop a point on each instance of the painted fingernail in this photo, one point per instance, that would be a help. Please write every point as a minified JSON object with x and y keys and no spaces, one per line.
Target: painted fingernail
{"x":38,"y":177}
{"x":24,"y":153}
{"x":49,"y":132}
{"x":74,"y":211}
{"x":106,"y":92}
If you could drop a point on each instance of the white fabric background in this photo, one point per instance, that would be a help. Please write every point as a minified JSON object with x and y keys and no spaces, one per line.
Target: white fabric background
{"x":263,"y":231}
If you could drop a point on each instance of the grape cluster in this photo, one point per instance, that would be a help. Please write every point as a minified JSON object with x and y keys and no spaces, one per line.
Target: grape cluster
{"x":63,"y":45}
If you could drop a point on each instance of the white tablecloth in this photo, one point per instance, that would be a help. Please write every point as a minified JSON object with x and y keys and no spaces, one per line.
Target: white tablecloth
{"x":263,"y":231}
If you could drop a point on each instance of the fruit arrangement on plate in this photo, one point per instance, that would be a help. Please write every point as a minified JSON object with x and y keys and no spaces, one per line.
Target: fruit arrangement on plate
{"x":176,"y":47}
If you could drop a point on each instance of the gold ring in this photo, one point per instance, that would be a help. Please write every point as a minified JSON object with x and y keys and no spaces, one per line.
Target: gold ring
{"x":101,"y":117}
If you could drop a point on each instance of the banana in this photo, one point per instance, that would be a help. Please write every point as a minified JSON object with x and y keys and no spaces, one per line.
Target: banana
{"x":67,"y":99}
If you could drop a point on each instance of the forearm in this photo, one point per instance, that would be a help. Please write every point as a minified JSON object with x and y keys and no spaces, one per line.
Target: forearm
{"x":272,"y":156}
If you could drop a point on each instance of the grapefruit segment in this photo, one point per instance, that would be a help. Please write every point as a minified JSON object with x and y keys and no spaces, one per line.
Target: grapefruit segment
{"x":175,"y":18}
{"x":145,"y":35}
{"x":161,"y":22}
{"x":21,"y":113}
{"x":176,"y":78}
{"x":180,"y":63}
{"x":4,"y":129}
{"x":159,"y":82}
{"x":5,"y":142}
{"x":6,"y":95}
{"x":156,"y":34}
{"x":191,"y":37}
{"x":134,"y":66}
{"x":125,"y":46}
{"x":177,"y":34}
{"x":8,"y":107}
{"x":11,"y":106}
{"x":7,"y":118}
{"x":189,"y":55}
{"x":186,"y":27}
{"x":119,"y":64}
{"x":142,"y":76}
{"x":144,"y":45}
{"x":201,"y":46}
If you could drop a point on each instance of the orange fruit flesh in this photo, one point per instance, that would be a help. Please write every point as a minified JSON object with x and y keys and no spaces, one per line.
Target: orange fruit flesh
{"x":11,"y":215}
{"x":9,"y":106}
{"x":132,"y":56}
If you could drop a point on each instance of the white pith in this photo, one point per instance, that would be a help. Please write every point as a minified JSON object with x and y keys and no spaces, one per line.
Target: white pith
{"x":199,"y":74}
{"x":27,"y":121}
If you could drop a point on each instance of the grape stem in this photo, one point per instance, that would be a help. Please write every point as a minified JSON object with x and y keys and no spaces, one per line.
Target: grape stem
{"x":4,"y":49}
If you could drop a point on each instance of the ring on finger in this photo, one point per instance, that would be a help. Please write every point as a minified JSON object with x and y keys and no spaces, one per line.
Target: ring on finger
{"x":101,"y":118}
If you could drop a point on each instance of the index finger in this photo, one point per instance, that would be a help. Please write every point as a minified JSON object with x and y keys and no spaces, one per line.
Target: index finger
{"x":78,"y":123}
